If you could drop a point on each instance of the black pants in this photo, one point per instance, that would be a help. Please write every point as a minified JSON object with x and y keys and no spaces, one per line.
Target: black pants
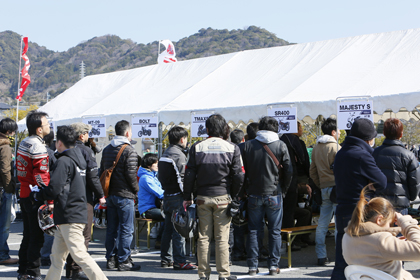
{"x":87,"y":232}
{"x":289,"y":205}
{"x":33,"y":239}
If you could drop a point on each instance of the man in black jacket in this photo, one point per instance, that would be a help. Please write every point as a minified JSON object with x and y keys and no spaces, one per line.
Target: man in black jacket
{"x":67,"y":189}
{"x":215,"y":168}
{"x":171,"y":176}
{"x":123,"y":188}
{"x":93,"y":189}
{"x":266,"y":190}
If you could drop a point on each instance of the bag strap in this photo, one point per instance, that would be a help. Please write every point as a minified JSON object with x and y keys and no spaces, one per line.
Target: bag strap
{"x":118,"y":156}
{"x":273,"y":157}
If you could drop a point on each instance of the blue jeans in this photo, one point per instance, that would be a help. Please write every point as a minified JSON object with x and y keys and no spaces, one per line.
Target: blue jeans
{"x":46,"y":248}
{"x":341,"y":222}
{"x":171,"y":203}
{"x":326,"y":211}
{"x":5,"y":220}
{"x":120,"y":227}
{"x":271,"y":206}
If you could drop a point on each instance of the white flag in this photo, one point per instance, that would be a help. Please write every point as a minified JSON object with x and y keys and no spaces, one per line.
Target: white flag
{"x":168,"y":55}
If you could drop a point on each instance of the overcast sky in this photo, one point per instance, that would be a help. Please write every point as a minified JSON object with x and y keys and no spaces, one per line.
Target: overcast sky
{"x":60,"y":25}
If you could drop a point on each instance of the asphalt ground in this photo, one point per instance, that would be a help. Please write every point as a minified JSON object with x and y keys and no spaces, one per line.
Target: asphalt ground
{"x":303,"y":262}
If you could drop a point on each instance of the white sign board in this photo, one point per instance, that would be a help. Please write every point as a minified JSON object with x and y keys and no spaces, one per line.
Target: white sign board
{"x":98,"y":127}
{"x":198,"y":125}
{"x":349,"y":111}
{"x":286,"y":116}
{"x":145,"y":126}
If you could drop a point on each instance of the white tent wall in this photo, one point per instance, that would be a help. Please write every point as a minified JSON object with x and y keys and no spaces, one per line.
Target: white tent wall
{"x":240,"y":85}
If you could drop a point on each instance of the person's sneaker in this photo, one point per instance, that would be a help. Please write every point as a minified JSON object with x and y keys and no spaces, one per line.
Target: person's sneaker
{"x":10,"y":261}
{"x":274,"y":271}
{"x":112,"y":262}
{"x":166,"y":264}
{"x":79,"y":275}
{"x":184,"y":266}
{"x":128,"y":265}
{"x":204,"y":278}
{"x":232,"y":277}
{"x":323,"y":261}
{"x":32,"y":277}
{"x":253,"y":272}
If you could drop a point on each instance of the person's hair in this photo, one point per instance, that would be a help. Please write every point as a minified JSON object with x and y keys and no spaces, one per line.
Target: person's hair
{"x":49,"y":138}
{"x":34,"y":120}
{"x":368,"y":211}
{"x":251,"y":130}
{"x":328,"y":126}
{"x":216,"y":126}
{"x":148,"y":160}
{"x":393,"y":129}
{"x":236,"y":136}
{"x":122,"y":127}
{"x":268,"y":123}
{"x":8,"y":125}
{"x":67,"y":135}
{"x":176,"y":134}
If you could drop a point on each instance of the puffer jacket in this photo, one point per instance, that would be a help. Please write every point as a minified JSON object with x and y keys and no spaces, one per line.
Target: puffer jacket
{"x":261,"y":172}
{"x":172,"y":169}
{"x":149,"y":189}
{"x":123,"y":181}
{"x":402,"y":171}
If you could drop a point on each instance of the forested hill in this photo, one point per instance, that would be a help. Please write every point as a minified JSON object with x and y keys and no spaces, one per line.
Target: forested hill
{"x":54,"y":72}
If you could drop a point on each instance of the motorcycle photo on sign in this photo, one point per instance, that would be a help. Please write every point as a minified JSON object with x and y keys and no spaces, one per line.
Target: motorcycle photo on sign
{"x":351,"y":119}
{"x":285,"y":126}
{"x":94,"y":131}
{"x":201,"y":130}
{"x":144,"y":131}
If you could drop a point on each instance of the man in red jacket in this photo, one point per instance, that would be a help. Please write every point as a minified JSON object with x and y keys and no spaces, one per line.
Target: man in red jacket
{"x":32,"y":169}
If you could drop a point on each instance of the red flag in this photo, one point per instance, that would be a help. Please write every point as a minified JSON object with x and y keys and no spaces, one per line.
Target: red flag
{"x":26,"y":79}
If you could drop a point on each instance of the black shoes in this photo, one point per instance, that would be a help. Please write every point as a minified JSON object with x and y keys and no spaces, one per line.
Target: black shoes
{"x":79,"y":275}
{"x":228,"y":278}
{"x":274,"y":271}
{"x":323,"y":261}
{"x":112,"y":262}
{"x":128,"y":265}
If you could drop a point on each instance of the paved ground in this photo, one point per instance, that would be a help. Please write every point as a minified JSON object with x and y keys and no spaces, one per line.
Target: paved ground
{"x":304,"y":263}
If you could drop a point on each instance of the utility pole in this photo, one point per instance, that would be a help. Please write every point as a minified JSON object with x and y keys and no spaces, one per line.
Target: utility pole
{"x":48,"y":96}
{"x":82,"y":70}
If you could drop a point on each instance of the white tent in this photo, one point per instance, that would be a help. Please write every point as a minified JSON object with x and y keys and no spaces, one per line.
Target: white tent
{"x":385,"y":66}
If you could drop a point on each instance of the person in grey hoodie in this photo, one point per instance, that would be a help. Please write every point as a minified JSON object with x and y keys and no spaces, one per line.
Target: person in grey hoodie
{"x":321,"y":172}
{"x":265,"y":190}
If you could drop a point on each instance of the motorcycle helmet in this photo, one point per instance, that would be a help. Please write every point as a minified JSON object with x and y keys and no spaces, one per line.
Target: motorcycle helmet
{"x":46,"y":220}
{"x":99,"y":216}
{"x":241,"y":218}
{"x":185,"y":221}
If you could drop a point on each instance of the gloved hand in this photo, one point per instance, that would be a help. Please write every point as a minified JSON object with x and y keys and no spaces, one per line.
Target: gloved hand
{"x":35,"y":194}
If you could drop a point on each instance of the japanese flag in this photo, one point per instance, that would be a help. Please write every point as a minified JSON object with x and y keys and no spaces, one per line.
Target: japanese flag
{"x":168,"y":55}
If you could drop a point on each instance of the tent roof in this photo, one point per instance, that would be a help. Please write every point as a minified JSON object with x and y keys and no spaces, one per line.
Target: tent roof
{"x":240,"y":85}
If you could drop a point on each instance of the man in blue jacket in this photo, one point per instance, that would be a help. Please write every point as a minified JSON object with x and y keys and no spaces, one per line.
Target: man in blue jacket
{"x":354,"y":168}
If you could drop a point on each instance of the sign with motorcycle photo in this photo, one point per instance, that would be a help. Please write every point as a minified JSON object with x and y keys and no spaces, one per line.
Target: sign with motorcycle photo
{"x":198,"y":125}
{"x":286,"y":117}
{"x":98,"y":127}
{"x":145,"y":126}
{"x":349,"y":111}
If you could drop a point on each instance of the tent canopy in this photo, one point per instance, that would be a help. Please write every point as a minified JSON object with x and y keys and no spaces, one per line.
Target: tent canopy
{"x":240,"y":85}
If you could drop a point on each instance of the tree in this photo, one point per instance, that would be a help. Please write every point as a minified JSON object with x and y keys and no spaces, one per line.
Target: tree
{"x":11,"y":113}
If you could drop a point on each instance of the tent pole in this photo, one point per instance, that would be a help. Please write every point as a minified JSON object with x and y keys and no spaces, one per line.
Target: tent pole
{"x":160,"y":140}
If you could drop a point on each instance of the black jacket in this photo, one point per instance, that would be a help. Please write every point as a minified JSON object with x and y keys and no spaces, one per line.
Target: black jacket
{"x":172,"y":169}
{"x":298,"y":154}
{"x":67,"y":188}
{"x":93,"y":185}
{"x":354,"y":168}
{"x":261,"y":173}
{"x":124,"y":177}
{"x":215,"y":167}
{"x":402,"y":171}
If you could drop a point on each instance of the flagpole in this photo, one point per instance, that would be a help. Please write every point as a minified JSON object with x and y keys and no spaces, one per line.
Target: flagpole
{"x":17,"y":107}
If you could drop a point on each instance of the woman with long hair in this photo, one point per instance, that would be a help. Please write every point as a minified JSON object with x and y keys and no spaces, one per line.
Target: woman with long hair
{"x":370,"y":238}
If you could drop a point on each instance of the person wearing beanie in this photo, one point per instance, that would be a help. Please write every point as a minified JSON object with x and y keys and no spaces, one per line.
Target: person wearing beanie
{"x":354,"y":168}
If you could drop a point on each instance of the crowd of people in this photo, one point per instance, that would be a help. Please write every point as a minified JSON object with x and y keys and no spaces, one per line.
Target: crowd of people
{"x":272,"y":179}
